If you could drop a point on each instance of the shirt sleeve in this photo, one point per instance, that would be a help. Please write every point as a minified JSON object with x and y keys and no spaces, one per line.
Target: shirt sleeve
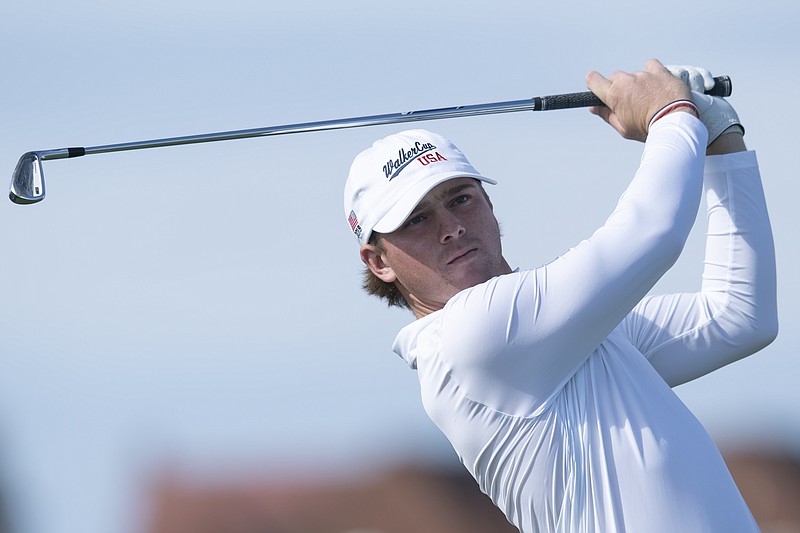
{"x":735,"y":313}
{"x":511,"y":342}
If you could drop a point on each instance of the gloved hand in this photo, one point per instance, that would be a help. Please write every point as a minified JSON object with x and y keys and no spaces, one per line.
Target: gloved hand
{"x":716,"y":113}
{"x":696,"y":78}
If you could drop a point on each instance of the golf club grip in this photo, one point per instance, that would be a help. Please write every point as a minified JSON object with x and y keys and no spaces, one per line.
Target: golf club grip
{"x":722,"y":87}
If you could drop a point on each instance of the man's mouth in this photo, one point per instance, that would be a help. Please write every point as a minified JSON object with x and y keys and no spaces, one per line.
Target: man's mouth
{"x":466,"y":254}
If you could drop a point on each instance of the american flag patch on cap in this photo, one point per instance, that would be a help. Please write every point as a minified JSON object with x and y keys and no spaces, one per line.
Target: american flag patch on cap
{"x":353,"y":220}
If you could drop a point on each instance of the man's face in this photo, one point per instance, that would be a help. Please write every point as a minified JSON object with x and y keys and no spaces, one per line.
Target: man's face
{"x":450,"y":242}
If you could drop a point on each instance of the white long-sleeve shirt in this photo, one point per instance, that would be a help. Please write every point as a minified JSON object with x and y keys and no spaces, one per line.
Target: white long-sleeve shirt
{"x":553,"y":384}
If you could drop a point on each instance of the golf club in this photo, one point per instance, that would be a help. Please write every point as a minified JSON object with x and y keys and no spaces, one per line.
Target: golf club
{"x":27,"y":182}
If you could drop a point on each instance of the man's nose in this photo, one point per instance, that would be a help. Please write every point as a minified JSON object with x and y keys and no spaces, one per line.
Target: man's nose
{"x":450,"y":227}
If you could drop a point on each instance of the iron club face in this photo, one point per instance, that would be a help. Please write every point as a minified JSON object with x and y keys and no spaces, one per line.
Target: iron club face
{"x":27,"y":182}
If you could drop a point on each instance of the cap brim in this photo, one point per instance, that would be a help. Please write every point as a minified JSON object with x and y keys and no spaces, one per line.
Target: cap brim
{"x":403,"y":208}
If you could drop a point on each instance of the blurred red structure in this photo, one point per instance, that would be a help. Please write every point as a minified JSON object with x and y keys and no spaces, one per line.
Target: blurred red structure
{"x":770,"y":483}
{"x":398,"y":500}
{"x":416,"y":499}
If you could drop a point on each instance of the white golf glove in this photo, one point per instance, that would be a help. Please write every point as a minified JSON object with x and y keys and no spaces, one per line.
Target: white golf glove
{"x":716,"y":113}
{"x":696,"y":78}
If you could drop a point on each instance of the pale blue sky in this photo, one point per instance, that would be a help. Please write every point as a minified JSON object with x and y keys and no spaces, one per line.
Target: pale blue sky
{"x":198,"y":307}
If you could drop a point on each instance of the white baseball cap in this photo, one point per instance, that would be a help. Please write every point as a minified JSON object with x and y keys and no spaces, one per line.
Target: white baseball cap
{"x":388,"y":180}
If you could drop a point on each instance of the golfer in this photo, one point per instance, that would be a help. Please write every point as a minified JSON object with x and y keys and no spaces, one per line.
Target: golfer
{"x":553,"y":384}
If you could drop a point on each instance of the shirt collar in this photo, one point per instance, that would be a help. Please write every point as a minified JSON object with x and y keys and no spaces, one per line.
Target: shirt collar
{"x":405,"y":344}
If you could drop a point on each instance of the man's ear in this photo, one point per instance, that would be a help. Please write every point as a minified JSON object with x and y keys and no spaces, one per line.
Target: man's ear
{"x":372,"y":257}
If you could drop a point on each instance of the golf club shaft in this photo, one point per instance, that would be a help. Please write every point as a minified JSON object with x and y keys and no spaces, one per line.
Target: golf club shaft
{"x":539,"y":103}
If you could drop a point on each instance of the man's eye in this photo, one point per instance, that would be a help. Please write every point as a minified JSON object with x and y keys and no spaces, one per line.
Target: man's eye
{"x":413,"y":221}
{"x":461,"y":199}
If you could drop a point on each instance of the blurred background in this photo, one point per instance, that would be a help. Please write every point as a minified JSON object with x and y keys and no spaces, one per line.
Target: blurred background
{"x":184,"y":345}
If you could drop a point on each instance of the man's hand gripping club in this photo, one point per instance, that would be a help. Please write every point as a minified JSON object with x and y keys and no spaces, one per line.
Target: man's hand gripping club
{"x":716,"y":112}
{"x":632,"y":100}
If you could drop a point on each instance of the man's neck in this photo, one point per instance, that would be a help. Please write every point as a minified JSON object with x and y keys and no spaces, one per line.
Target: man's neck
{"x":423,"y":309}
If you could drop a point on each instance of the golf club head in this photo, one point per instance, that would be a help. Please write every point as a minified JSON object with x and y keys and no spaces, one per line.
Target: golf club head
{"x":27,"y":183}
